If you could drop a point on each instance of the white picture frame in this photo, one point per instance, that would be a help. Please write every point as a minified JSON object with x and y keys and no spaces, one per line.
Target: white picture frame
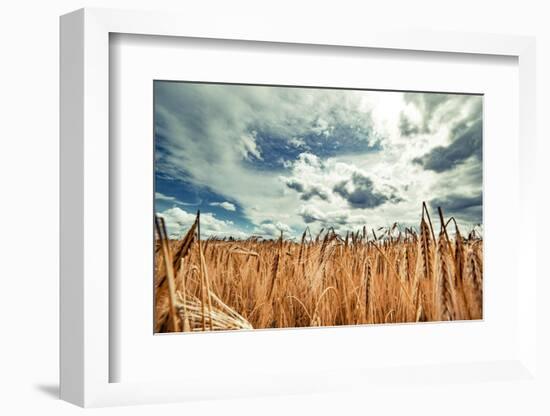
{"x":85,"y":267}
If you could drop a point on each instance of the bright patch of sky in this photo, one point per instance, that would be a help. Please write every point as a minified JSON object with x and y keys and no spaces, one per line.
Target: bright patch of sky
{"x":259,"y":160}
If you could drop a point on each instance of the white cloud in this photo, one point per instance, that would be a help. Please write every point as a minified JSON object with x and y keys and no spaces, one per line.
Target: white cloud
{"x":322,"y":127}
{"x":336,"y":211}
{"x":225,"y":205}
{"x":297,"y":141}
{"x":271,"y":230}
{"x":178,"y":222}
{"x":162,"y":197}
{"x":311,"y":214}
{"x":249,"y":147}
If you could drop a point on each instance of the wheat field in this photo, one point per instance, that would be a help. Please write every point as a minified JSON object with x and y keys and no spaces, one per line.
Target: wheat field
{"x":390,"y":275}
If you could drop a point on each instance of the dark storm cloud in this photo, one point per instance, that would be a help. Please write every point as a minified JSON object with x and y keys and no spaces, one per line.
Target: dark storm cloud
{"x":467,"y":142}
{"x":467,"y":207}
{"x":307,"y":192}
{"x":362,"y":193}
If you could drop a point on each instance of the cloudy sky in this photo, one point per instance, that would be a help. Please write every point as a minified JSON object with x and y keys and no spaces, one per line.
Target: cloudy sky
{"x":256,"y":160}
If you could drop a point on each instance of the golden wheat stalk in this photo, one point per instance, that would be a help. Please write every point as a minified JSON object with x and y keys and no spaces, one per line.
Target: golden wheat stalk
{"x":161,"y":230}
{"x":328,"y":279}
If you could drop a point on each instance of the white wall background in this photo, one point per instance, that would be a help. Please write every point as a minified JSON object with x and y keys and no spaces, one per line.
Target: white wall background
{"x":29,"y":115}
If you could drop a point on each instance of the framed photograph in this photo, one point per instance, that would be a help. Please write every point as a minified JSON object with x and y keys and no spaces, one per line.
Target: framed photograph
{"x":293,"y":224}
{"x":270,"y":213}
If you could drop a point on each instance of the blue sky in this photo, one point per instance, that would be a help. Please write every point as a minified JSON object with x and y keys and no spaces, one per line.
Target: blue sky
{"x":259,"y":160}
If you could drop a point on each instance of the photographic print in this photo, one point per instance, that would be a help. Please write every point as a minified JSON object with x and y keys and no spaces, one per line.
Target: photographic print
{"x":290,"y":207}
